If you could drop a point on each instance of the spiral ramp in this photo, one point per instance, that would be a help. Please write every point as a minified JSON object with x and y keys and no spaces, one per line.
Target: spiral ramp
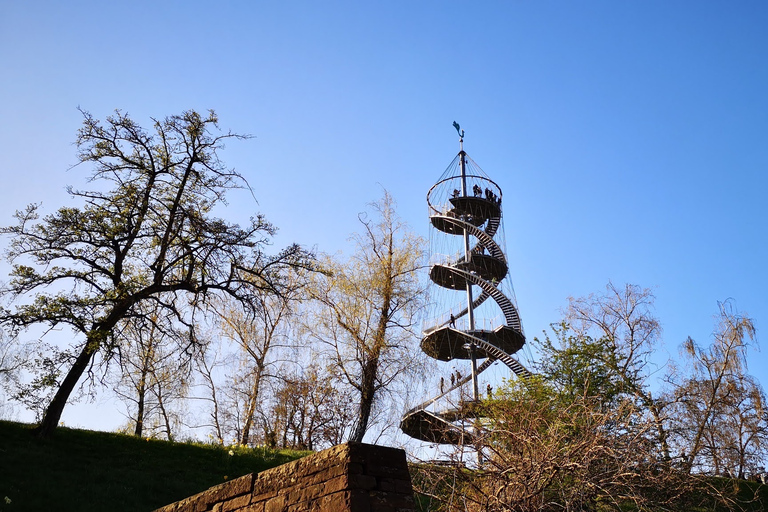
{"x":483,"y":266}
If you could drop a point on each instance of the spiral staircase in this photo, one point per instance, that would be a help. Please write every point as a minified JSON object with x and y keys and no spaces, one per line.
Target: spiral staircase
{"x":474,"y":215}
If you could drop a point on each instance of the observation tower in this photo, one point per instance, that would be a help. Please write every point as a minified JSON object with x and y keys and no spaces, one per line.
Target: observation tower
{"x":475,"y":312}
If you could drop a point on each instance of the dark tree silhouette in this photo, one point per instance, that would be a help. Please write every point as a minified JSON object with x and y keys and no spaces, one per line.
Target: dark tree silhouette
{"x":145,"y":234}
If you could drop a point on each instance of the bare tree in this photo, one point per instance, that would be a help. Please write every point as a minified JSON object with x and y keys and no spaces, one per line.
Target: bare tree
{"x":548,"y":452}
{"x":258,"y":334}
{"x":208,"y":364}
{"x":13,"y":358}
{"x":624,"y":317}
{"x":368,"y":308}
{"x":623,"y":321}
{"x":309,"y":411}
{"x":744,"y":431}
{"x":154,"y":371}
{"x":718,"y":388}
{"x":10,"y":359}
{"x":146,"y":234}
{"x":735,"y":442}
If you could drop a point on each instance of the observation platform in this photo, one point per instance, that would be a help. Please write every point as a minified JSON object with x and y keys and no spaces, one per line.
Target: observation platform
{"x":438,"y":427}
{"x":447,"y":343}
{"x":476,"y":207}
{"x":486,"y":267}
{"x":440,"y":222}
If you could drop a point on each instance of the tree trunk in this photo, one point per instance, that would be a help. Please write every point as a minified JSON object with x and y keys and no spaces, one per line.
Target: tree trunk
{"x":251,"y":409}
{"x":140,"y":407}
{"x":371,"y":365}
{"x":661,"y":432}
{"x":164,"y":412}
{"x":93,"y":341}
{"x":53,"y":413}
{"x":142,"y":392}
{"x":367,"y":393}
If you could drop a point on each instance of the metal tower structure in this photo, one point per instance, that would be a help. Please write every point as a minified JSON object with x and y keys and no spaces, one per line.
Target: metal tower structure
{"x":465,"y":210}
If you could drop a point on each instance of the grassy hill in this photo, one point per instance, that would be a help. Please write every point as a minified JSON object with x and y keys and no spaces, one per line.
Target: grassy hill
{"x":81,"y":470}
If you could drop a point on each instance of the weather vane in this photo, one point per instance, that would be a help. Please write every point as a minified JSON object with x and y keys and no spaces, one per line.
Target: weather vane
{"x":461,"y":134}
{"x":458,"y":129}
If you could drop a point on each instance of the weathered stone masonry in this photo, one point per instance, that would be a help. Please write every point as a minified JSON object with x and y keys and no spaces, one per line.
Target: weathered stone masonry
{"x":352,"y":477}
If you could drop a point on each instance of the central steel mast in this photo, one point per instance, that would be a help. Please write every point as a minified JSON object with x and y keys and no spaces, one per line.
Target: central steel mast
{"x":468,"y":259}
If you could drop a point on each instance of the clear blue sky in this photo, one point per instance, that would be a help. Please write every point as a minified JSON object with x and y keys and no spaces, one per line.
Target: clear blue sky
{"x":630,"y":138}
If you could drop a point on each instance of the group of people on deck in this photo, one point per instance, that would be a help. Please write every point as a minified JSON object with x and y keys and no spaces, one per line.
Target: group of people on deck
{"x":490,"y":195}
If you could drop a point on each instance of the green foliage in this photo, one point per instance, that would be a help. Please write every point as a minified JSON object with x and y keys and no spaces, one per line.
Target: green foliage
{"x":84,"y":471}
{"x":45,"y":370}
{"x":577,"y":365}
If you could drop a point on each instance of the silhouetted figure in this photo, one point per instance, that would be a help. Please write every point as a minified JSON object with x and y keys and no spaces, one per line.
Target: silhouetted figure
{"x":489,"y":389}
{"x":453,"y":321}
{"x":442,"y":384}
{"x":453,"y":380}
{"x":456,"y":192}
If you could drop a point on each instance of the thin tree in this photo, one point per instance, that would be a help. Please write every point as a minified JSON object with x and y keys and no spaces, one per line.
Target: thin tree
{"x":718,"y":375}
{"x":368,"y":308}
{"x":154,"y":369}
{"x":257,"y":334}
{"x":13,"y":358}
{"x":309,"y":411}
{"x":208,"y":364}
{"x":146,"y":233}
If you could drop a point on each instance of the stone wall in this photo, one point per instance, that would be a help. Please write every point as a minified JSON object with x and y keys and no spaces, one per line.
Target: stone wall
{"x":352,"y":477}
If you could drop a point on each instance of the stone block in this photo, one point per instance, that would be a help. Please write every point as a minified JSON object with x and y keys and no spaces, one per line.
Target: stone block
{"x":386,"y":484}
{"x":391,"y":502}
{"x":267,"y":482}
{"x":188,"y":504}
{"x":237,"y":503}
{"x":355,"y":468}
{"x":404,"y":487}
{"x":241,"y":485}
{"x":276,"y":504}
{"x":340,"y":468}
{"x":366,"y":482}
{"x":265,"y":495}
{"x":344,"y":501}
{"x":381,"y":455}
{"x":204,"y":501}
{"x":304,"y":494}
{"x":398,"y":485}
{"x":388,"y":471}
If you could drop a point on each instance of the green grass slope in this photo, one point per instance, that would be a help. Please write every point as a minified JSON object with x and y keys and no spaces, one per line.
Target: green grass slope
{"x":81,"y":470}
